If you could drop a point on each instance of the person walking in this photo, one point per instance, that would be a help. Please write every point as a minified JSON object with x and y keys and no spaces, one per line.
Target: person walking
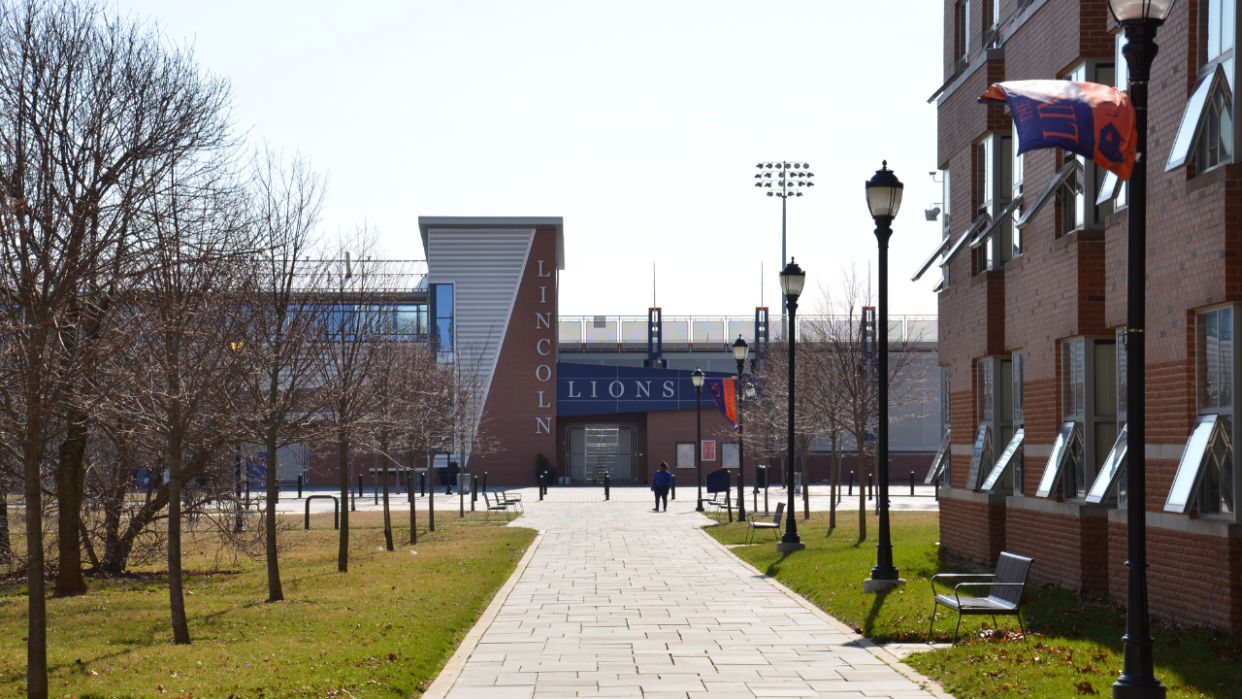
{"x":660,"y":484}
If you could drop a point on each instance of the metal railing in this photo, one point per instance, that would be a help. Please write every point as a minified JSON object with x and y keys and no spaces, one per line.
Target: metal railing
{"x":715,"y":332}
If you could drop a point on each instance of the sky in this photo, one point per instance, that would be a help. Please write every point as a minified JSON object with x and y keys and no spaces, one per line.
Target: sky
{"x":639,"y":122}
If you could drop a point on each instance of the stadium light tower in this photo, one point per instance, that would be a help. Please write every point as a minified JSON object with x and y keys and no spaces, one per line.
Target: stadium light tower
{"x":784,"y":180}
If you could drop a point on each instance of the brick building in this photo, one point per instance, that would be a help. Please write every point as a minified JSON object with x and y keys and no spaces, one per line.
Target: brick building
{"x":1032,"y":310}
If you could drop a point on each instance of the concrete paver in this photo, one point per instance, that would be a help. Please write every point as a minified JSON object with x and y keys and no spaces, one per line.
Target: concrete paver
{"x":619,"y":601}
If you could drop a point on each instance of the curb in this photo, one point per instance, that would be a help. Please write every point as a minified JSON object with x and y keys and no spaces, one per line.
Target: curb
{"x":444,"y":682}
{"x":878,"y":651}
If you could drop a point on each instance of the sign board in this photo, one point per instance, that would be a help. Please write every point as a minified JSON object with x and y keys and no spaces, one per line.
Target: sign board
{"x":730,"y":454}
{"x":709,"y":450}
{"x":593,"y":389}
{"x":685,"y":455}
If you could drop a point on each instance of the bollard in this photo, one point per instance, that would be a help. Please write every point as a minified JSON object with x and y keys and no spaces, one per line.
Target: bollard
{"x":541,"y":481}
{"x":851,"y":493}
{"x":422,"y":484}
{"x":359,"y":485}
{"x":299,"y":487}
{"x":674,"y":489}
{"x":607,"y":486}
{"x":375,"y":483}
{"x":728,"y":502}
{"x":474,"y":491}
{"x":870,"y":487}
{"x":912,"y":484}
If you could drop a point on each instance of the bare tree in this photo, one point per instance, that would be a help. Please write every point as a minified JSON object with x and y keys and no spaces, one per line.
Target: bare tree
{"x":288,"y":198}
{"x":350,"y":320}
{"x":845,"y":365}
{"x":93,"y":110}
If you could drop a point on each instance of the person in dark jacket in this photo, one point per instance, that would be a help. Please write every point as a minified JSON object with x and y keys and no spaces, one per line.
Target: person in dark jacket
{"x":660,"y":484}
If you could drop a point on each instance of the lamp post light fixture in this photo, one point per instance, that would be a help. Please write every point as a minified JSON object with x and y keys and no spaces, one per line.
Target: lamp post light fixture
{"x":792,"y":279}
{"x":1139,"y":19}
{"x":740,"y":350}
{"x":697,"y":379}
{"x":784,"y":180}
{"x":884,"y":192}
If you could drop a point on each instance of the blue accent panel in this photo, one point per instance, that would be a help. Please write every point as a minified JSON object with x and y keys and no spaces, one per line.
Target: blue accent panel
{"x":593,"y":389}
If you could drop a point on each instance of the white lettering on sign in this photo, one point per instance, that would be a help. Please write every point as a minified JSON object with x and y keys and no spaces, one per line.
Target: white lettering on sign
{"x":543,"y":404}
{"x":543,"y":372}
{"x":593,"y":390}
{"x":620,"y":389}
{"x":571,"y":391}
{"x":543,"y":348}
{"x":543,"y":294}
{"x":539,"y":347}
{"x":541,"y":272}
{"x":644,"y":389}
{"x":543,"y":320}
{"x":543,"y":425}
{"x":668,"y":389}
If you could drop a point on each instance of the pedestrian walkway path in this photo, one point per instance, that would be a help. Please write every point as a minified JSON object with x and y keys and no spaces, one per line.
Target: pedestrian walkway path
{"x":620,"y":601}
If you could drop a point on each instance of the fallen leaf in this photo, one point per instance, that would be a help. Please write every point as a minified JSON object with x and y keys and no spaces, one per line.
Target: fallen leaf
{"x":1085,"y":688}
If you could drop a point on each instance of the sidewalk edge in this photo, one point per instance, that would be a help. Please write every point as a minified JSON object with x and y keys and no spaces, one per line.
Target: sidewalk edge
{"x":444,"y":682}
{"x":878,"y":651}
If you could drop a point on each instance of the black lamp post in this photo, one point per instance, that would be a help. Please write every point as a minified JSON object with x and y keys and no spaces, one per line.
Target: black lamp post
{"x":740,"y":350}
{"x":792,"y":279}
{"x":697,"y":379}
{"x":1140,"y":20}
{"x":884,"y":200}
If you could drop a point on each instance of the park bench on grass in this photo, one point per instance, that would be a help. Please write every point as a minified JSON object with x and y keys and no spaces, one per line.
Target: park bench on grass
{"x":504,"y":497}
{"x":774,"y":525}
{"x":719,"y":503}
{"x":498,"y":507}
{"x":1004,"y":594}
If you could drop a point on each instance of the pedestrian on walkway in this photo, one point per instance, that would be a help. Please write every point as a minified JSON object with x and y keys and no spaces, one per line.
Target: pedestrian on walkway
{"x":660,"y":484}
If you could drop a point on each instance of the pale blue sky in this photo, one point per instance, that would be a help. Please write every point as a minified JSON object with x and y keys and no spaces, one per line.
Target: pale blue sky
{"x":639,"y":122}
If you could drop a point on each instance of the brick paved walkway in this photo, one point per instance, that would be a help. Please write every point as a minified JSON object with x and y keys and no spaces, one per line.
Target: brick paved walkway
{"x":619,"y":601}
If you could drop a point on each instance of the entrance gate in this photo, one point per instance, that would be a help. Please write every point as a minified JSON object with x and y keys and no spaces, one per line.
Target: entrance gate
{"x":595,"y":450}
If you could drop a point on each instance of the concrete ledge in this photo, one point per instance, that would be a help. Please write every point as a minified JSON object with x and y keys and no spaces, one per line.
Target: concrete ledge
{"x":1080,"y":510}
{"x":1218,"y":528}
{"x":972,"y":496}
{"x":870,"y":585}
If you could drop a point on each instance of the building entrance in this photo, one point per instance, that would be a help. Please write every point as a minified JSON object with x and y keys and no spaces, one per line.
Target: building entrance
{"x":595,"y":450}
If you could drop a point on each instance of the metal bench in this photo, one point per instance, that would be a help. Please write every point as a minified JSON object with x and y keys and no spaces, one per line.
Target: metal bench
{"x":1005,"y":589}
{"x":498,"y":507}
{"x":774,"y":525}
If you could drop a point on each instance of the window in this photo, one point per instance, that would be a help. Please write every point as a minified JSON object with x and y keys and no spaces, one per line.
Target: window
{"x":1077,"y":211}
{"x":1215,"y":377}
{"x":992,"y":196}
{"x":963,"y":34}
{"x":1206,"y":133}
{"x":1089,"y":411}
{"x":1112,"y":471}
{"x":1019,"y":421}
{"x":994,"y":379}
{"x":441,"y":298}
{"x":1018,"y":173}
{"x":1122,"y":82}
{"x":939,"y":471}
{"x":947,"y":198}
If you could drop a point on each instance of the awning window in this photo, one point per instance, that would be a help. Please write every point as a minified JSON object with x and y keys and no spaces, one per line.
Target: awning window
{"x":1207,"y":442}
{"x":980,"y":456}
{"x":1106,"y":479}
{"x":1070,"y":175}
{"x":996,"y":222}
{"x":1196,"y":115}
{"x":932,"y":258}
{"x":941,"y":459}
{"x":1006,"y":460}
{"x":1067,"y":447}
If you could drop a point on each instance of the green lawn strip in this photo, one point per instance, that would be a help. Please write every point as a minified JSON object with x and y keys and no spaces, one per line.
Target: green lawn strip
{"x":1075,"y":648}
{"x":384,"y":629}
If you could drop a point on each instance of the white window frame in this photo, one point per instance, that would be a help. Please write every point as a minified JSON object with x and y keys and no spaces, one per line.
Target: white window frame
{"x":1078,"y":210}
{"x":993,"y":168}
{"x":994,"y":373}
{"x":1085,"y":409}
{"x":962,"y":35}
{"x":940,"y":466}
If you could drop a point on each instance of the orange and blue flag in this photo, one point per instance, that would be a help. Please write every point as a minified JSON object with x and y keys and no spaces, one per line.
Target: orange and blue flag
{"x":1092,"y":120}
{"x":725,"y":394}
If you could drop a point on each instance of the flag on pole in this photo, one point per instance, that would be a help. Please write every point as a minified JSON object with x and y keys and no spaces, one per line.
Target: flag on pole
{"x":725,"y":395}
{"x":1092,"y":120}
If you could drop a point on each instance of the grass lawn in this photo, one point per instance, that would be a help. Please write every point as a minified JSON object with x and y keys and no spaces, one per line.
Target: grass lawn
{"x":1075,"y":645}
{"x":383,"y":629}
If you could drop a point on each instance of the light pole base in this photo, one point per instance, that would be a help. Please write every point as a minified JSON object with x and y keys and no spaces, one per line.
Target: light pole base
{"x":790,"y":546}
{"x":872,"y":585}
{"x":1152,"y":690}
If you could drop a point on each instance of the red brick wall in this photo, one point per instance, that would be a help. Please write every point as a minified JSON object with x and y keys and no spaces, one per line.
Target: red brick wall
{"x":513,"y":405}
{"x":1192,"y":579}
{"x":973,"y":530}
{"x":1067,"y":550}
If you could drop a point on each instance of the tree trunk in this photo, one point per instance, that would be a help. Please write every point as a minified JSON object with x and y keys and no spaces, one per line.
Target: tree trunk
{"x":862,"y":486}
{"x":6,"y":545}
{"x":806,"y":487}
{"x":70,"y":476}
{"x":835,"y":471}
{"x":176,"y":591}
{"x":118,"y":548}
{"x":387,"y":513}
{"x":36,"y":632}
{"x":274,"y":591}
{"x":342,"y":554}
{"x":410,"y":480}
